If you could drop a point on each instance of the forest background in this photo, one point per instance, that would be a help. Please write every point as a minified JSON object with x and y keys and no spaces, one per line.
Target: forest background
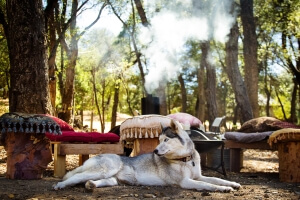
{"x":238,"y":59}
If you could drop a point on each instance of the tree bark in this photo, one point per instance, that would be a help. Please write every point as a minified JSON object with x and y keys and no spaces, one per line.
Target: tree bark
{"x":128,"y":99}
{"x":141,"y":12}
{"x":183,"y":94}
{"x":293,"y":117}
{"x":212,"y":108}
{"x":51,"y":60}
{"x":250,"y":54}
{"x":268,"y":94}
{"x":281,"y":105}
{"x":28,"y":57}
{"x":115,"y":104}
{"x":72,"y":54}
{"x":234,"y":75}
{"x":201,"y":93}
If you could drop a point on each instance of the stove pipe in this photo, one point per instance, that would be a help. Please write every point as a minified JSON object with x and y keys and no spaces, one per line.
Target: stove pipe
{"x":150,"y":105}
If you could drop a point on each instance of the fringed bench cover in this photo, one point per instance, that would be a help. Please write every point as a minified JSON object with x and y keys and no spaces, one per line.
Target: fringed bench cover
{"x":27,"y":123}
{"x":284,"y":135}
{"x":143,"y":126}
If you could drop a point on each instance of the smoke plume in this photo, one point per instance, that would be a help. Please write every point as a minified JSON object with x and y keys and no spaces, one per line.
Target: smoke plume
{"x":173,"y":25}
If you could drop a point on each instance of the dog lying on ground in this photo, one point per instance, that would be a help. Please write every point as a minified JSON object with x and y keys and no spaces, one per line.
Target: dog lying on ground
{"x":174,"y":162}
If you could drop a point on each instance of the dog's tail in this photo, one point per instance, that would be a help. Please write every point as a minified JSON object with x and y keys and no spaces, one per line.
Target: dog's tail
{"x":71,"y":173}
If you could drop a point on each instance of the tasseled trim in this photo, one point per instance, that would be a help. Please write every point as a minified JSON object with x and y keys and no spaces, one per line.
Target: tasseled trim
{"x":143,"y":126}
{"x":128,"y":135}
{"x":140,"y":136}
{"x":28,"y":123}
{"x":140,"y":132}
{"x":283,"y":135}
{"x":151,"y":133}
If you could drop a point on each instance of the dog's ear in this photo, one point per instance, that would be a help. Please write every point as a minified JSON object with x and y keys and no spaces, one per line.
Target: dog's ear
{"x":173,"y":126}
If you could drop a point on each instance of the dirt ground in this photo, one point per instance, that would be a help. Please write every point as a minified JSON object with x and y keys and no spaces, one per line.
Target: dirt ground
{"x":259,"y":179}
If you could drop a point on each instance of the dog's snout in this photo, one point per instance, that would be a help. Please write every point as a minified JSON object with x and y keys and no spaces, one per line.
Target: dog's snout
{"x":155,"y":151}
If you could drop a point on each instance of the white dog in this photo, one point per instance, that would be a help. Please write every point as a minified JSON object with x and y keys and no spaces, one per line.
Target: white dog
{"x":174,"y":162}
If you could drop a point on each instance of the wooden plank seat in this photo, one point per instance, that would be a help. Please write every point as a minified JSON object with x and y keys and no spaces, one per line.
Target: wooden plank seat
{"x":61,"y":149}
{"x":236,"y":151}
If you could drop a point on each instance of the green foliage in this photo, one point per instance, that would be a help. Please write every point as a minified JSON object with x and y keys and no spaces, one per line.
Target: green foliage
{"x":109,"y":58}
{"x":276,"y":19}
{"x":114,"y":61}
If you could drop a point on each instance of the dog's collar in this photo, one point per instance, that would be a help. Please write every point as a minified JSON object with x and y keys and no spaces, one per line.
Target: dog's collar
{"x":186,"y":159}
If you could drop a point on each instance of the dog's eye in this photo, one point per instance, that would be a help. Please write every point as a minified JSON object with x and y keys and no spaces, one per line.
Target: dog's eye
{"x":166,"y":139}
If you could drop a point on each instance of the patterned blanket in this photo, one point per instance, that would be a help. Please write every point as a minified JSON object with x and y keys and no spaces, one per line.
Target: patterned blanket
{"x":27,"y":123}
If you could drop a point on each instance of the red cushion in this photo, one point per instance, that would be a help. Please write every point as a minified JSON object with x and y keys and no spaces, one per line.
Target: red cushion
{"x":64,"y":126}
{"x":72,"y":136}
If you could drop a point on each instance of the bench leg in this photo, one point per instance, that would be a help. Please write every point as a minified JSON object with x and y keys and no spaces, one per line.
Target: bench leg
{"x":83,"y":158}
{"x":59,"y":162}
{"x":236,"y":160}
{"x":144,"y":145}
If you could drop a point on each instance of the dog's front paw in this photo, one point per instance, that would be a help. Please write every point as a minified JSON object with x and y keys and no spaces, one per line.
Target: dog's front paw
{"x":58,"y":186}
{"x":224,"y":189}
{"x":89,"y":185}
{"x":236,"y":185}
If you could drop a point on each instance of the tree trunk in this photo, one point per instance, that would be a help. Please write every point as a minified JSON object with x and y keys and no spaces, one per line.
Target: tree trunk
{"x":115,"y":104}
{"x":101,"y":117}
{"x":293,"y":117}
{"x":183,"y":94}
{"x":141,"y":12}
{"x":102,"y":114}
{"x":72,"y":54}
{"x":201,"y":93}
{"x":267,"y":90}
{"x":295,"y":71}
{"x":235,"y":77}
{"x":281,"y":105}
{"x":250,"y":54}
{"x":212,"y":109}
{"x":128,"y":99}
{"x":51,"y":60}
{"x":28,"y":57}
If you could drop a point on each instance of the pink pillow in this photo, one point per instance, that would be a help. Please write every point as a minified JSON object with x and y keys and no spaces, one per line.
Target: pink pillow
{"x":186,"y":119}
{"x":64,"y":126}
{"x":86,"y":137}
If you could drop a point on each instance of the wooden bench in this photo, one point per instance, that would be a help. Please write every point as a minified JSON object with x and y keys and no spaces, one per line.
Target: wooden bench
{"x":61,"y":149}
{"x":236,"y":153}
